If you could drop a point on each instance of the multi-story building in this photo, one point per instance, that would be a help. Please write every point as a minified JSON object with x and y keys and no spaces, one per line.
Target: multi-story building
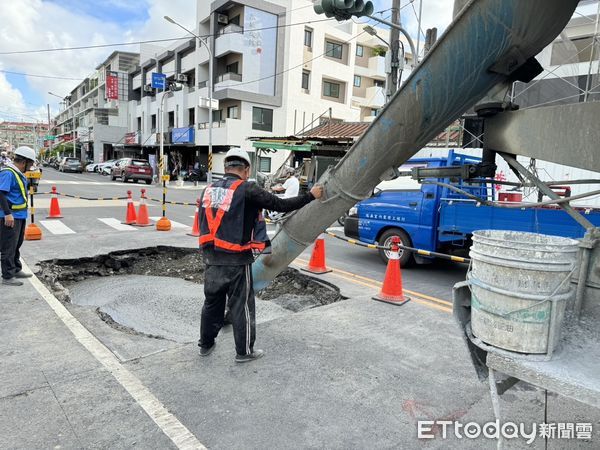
{"x":15,"y":134}
{"x":278,"y":69}
{"x":95,"y":113}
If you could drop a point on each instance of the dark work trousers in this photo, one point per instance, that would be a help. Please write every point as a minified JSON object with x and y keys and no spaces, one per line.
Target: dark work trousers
{"x":11,"y":240}
{"x":231,"y":285}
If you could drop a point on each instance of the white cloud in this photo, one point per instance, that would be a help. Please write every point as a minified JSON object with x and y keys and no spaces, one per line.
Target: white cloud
{"x":38,"y":24}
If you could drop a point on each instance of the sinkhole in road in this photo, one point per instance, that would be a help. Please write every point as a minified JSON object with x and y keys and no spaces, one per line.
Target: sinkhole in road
{"x":158,"y":291}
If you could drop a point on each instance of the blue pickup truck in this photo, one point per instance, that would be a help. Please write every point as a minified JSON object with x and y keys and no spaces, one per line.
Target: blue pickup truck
{"x":435,"y":218}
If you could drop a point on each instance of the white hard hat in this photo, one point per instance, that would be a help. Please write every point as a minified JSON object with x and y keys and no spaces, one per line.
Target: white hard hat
{"x":25,"y":152}
{"x":4,"y":153}
{"x":237,"y":153}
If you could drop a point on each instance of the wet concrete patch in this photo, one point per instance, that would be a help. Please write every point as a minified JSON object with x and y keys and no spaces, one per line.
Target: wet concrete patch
{"x":157,"y":291}
{"x":160,"y":307}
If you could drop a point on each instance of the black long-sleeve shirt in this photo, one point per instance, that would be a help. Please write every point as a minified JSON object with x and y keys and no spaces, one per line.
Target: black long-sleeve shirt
{"x":257,"y":199}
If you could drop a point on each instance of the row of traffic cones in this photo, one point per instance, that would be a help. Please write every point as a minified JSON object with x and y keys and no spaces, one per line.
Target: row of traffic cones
{"x":391,"y":290}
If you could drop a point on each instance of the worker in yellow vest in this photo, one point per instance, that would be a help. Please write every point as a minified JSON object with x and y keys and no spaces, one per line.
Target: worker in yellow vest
{"x":13,"y":214}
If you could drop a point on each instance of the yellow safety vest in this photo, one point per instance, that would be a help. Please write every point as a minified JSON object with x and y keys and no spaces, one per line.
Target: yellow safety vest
{"x":23,"y":205}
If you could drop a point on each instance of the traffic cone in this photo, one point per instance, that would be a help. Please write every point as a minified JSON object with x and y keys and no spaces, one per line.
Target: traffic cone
{"x":33,"y":232}
{"x":143,"y":220}
{"x":196,"y":226}
{"x":316,"y":264}
{"x":54,"y":206}
{"x":130,"y":216}
{"x":391,"y":291}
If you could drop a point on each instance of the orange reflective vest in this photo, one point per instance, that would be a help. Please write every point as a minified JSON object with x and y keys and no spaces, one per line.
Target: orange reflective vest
{"x":222,"y":216}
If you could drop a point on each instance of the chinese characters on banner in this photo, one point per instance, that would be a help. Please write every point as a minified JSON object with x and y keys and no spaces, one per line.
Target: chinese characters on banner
{"x":112,"y":85}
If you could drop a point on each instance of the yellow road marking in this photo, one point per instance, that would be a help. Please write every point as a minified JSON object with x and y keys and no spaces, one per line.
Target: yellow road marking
{"x":369,"y":282}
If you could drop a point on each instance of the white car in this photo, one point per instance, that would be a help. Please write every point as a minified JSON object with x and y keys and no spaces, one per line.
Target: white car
{"x":93,"y":167}
{"x":106,"y":167}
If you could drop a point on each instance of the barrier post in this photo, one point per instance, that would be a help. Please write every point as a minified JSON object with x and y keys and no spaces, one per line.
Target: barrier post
{"x":32,"y":232}
{"x":163,"y":223}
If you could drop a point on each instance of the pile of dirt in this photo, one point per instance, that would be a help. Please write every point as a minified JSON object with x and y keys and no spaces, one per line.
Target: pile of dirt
{"x":291,"y":289}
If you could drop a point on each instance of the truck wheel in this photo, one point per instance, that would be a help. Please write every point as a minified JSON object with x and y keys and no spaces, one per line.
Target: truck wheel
{"x":406,"y":257}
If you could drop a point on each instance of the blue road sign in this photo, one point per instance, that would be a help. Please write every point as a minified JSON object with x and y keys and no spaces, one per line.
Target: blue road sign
{"x":159,"y":80}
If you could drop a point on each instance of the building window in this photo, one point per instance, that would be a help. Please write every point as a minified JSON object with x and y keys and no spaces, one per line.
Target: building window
{"x":333,"y":50}
{"x":139,"y":124}
{"x":357,"y":80}
{"x":191,"y":116}
{"x":331,"y":89}
{"x":235,"y":20}
{"x":171,"y":119}
{"x":379,"y":83}
{"x":264,"y":164}
{"x":573,"y":51}
{"x":374,"y":112}
{"x":308,"y":37}
{"x":153,"y":123}
{"x":262,"y":119}
{"x":232,"y":68}
{"x":305,"y":79}
{"x":360,"y":50}
{"x":233,"y":112}
{"x":217,"y":115}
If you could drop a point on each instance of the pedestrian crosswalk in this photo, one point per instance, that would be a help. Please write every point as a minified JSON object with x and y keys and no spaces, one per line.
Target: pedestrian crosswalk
{"x":67,"y":226}
{"x":59,"y":227}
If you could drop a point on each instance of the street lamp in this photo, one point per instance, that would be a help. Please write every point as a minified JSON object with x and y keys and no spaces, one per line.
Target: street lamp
{"x":161,"y":115}
{"x":73,"y":118}
{"x":210,"y":93}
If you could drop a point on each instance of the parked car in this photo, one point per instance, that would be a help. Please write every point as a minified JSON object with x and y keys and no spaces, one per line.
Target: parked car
{"x":70,"y":165}
{"x":132,"y":169}
{"x":105,"y":167}
{"x":92,"y":167}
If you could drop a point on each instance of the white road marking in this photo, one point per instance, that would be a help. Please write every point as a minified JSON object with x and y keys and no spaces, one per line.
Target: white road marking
{"x":338,"y":229}
{"x":167,"y":422}
{"x":117,"y":225}
{"x":89,"y":183}
{"x":56,"y":227}
{"x":173,"y":223}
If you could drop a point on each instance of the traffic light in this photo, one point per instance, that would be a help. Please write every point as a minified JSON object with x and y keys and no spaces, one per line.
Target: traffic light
{"x":343,"y":9}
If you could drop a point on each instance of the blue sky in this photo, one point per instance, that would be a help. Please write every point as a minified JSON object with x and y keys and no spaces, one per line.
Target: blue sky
{"x":117,"y":11}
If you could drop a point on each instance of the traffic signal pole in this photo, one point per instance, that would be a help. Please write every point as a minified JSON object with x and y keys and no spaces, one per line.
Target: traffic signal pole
{"x":392,"y":82}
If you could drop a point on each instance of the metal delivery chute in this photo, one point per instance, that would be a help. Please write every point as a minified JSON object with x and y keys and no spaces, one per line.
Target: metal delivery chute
{"x":490,"y":42}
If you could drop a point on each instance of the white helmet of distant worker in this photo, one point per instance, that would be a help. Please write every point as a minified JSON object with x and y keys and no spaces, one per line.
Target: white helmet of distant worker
{"x":25,"y":152}
{"x":4,"y":154}
{"x":289,"y":171}
{"x":234,"y":154}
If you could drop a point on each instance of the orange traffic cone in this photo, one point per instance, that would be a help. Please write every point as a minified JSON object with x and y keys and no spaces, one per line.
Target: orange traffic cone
{"x":391,"y":291}
{"x":33,"y":232}
{"x":143,"y":220}
{"x":316,"y":264}
{"x":196,"y":226}
{"x":130,"y":216}
{"x":54,"y":206}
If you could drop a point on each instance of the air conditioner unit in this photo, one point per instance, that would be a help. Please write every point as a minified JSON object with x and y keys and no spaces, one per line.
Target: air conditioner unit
{"x":222,"y":19}
{"x":148,"y":88}
{"x":181,"y":77}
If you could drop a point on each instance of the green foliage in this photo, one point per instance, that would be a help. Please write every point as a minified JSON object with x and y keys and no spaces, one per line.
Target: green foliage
{"x":379,"y":51}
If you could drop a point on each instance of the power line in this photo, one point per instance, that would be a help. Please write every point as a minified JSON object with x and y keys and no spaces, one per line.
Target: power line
{"x":40,"y":76}
{"x":121,"y":44}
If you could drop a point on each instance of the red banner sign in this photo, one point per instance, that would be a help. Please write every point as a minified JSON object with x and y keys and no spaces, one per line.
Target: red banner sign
{"x":112,"y":86}
{"x":131,"y":138}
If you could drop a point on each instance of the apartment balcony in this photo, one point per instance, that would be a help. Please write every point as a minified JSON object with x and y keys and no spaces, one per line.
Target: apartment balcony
{"x":375,"y":69}
{"x":227,"y":80}
{"x":374,"y":98}
{"x":225,"y":132}
{"x":230,"y":39}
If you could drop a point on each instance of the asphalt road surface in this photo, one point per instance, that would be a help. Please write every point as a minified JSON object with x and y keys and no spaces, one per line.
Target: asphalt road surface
{"x":353,"y":264}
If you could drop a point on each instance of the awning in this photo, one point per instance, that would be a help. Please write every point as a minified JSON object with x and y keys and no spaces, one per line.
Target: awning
{"x":302,"y":146}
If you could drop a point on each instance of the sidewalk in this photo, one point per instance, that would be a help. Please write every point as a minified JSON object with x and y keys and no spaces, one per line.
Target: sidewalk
{"x":53,"y":392}
{"x":353,"y":374}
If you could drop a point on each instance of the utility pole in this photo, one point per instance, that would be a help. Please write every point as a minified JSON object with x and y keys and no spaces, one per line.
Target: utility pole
{"x":392,"y":77}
